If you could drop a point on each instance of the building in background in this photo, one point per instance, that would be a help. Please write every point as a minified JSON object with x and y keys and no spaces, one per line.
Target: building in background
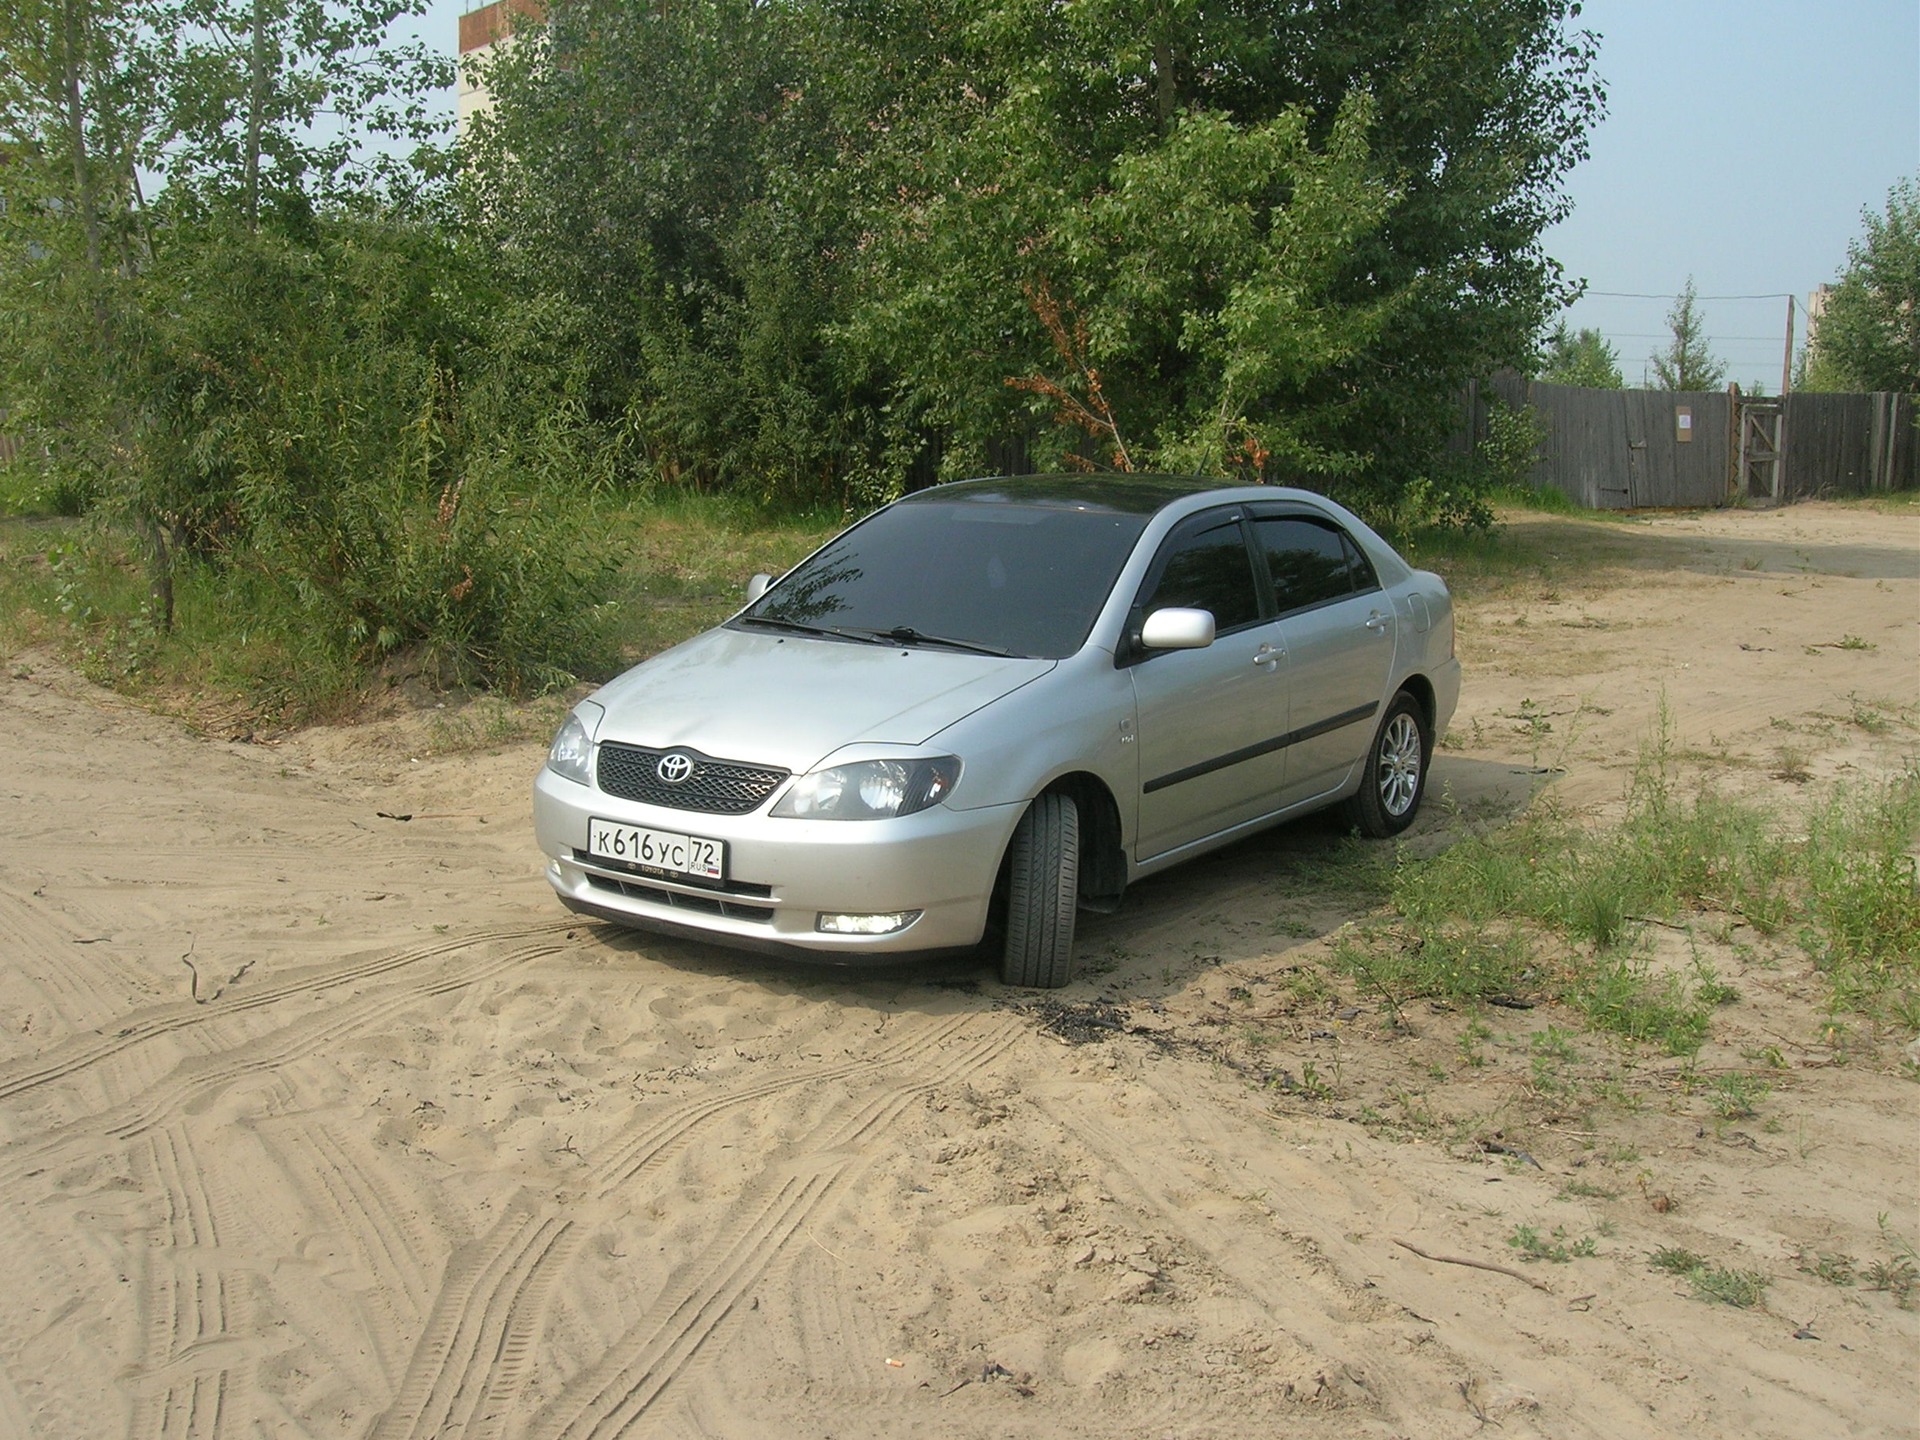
{"x":481,"y":28}
{"x":1816,"y":307}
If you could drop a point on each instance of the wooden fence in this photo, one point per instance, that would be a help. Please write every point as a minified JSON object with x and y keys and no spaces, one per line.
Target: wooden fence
{"x":1628,"y":449}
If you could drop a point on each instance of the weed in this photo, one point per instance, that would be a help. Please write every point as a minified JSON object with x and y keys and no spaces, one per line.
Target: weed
{"x":1470,"y":1038}
{"x":1742,"y":1289}
{"x":1677,"y":1261}
{"x":1863,"y":901}
{"x":1555,"y":1044}
{"x":1733,"y":1097}
{"x":1864,"y":715}
{"x":1586,"y":1190}
{"x":1708,"y":988}
{"x":1834,"y":1269}
{"x":1898,"y":1275}
{"x":1556,"y":1248}
{"x":1310,"y":986}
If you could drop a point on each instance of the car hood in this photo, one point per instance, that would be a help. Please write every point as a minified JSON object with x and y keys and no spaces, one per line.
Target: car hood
{"x":793,"y":700}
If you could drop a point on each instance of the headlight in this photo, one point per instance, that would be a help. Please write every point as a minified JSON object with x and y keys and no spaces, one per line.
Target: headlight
{"x":870,"y":790}
{"x":571,"y":754}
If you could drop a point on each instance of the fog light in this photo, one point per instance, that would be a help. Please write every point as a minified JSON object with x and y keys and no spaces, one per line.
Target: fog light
{"x":866,"y":924}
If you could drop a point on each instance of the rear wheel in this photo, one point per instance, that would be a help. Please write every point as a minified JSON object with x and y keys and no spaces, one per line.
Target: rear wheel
{"x":1396,"y":773}
{"x":1043,"y":887}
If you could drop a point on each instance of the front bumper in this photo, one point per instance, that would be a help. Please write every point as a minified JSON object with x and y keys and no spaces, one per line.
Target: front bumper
{"x":782,"y":875}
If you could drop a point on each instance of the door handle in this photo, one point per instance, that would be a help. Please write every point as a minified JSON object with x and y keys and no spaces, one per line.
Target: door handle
{"x":1377,"y":623}
{"x":1269,"y":655}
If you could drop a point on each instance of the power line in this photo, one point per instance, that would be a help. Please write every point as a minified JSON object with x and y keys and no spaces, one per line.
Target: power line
{"x":1632,"y":295}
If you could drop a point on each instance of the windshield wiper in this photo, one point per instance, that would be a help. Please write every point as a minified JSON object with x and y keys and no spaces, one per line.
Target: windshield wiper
{"x":907,"y":635}
{"x":801,"y":627}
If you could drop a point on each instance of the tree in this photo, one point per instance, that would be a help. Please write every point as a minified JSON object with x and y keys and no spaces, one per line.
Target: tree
{"x":1278,"y":238}
{"x":242,"y":372}
{"x":1585,"y":358}
{"x":1869,"y":334}
{"x":1687,"y":363}
{"x":1432,"y":138}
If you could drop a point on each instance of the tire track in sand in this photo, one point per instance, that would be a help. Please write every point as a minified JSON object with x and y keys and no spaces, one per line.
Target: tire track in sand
{"x":499,"y":1286}
{"x":618,"y":1392}
{"x":1298,"y":1295}
{"x":198,"y":1075}
{"x":195,"y":1370}
{"x":72,"y":1057}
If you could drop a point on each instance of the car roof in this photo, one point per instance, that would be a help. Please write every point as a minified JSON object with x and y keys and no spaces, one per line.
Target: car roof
{"x":1122,"y":494}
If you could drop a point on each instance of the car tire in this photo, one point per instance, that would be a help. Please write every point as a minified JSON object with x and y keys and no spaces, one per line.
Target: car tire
{"x":1043,"y":889}
{"x":1395,"y":778}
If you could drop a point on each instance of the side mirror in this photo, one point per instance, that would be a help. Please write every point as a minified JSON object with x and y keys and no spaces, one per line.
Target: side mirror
{"x":758,"y":586}
{"x":1177,"y":629}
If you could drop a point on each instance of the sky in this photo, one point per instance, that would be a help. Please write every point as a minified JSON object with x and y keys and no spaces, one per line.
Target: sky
{"x":1742,"y":141}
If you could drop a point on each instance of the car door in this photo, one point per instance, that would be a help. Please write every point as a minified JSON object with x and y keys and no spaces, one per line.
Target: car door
{"x":1337,"y":628}
{"x":1210,"y":723}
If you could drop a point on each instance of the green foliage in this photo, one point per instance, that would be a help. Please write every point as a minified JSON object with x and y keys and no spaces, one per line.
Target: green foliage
{"x":1557,"y":1248}
{"x":1687,"y":363}
{"x":1506,"y":455}
{"x":1545,"y":906}
{"x":863,"y":246}
{"x":1586,"y":358}
{"x":1864,"y":897}
{"x":808,"y":256}
{"x":1869,"y":335}
{"x":1716,"y":1284}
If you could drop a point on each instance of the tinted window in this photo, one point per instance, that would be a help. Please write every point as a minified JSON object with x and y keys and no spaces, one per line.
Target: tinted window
{"x":1310,"y":562}
{"x":1208,"y":571}
{"x":1026,"y":578}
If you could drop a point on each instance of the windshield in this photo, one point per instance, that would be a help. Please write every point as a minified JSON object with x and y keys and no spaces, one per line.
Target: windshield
{"x":1006,"y":578}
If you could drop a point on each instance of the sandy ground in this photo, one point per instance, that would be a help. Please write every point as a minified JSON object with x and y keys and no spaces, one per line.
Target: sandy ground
{"x":318,"y":1117}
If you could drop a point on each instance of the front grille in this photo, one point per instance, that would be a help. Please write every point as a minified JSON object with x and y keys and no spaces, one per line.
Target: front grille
{"x":716,"y":787}
{"x":746,"y":889}
{"x":702,"y":904}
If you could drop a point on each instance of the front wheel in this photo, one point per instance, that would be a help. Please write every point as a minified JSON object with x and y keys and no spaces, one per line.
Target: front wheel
{"x":1396,"y":771}
{"x":1043,"y":893}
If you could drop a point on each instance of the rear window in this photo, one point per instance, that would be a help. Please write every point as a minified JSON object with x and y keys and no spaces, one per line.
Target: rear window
{"x":1310,"y":562}
{"x":1027,"y":579}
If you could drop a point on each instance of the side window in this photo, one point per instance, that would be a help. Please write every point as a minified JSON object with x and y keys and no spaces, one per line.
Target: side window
{"x":1310,"y":562}
{"x":1208,"y":570}
{"x":1365,"y":577}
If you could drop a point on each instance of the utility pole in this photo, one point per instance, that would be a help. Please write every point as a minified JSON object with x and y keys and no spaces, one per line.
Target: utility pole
{"x":1786,"y":362}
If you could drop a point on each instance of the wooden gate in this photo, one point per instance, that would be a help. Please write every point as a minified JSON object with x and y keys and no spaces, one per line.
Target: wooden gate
{"x":1757,"y":470}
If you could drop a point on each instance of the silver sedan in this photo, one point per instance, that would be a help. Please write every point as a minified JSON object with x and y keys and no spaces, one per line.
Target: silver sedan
{"x":995,"y":703}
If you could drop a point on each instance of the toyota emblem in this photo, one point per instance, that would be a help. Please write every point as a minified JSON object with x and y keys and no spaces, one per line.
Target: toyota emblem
{"x":674,"y":769}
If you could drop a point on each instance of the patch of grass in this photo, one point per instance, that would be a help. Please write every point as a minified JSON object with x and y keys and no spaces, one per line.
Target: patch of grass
{"x":1558,"y":1248}
{"x":1736,"y":1097}
{"x":1834,"y":1269}
{"x":1716,"y":1284}
{"x":1863,"y":894}
{"x":1547,"y":907}
{"x":516,"y":593}
{"x":1897,"y":1274}
{"x":1586,"y":1190}
{"x":1470,"y":1038}
{"x":489,"y":722}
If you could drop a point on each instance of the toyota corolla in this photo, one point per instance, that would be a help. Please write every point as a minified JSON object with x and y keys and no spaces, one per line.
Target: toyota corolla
{"x":992,"y":704}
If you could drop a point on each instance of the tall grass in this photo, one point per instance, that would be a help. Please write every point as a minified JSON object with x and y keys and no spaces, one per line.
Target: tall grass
{"x":1546,"y":906}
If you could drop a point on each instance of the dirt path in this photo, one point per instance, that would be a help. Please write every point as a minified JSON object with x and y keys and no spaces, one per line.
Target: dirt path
{"x":318,"y":1116}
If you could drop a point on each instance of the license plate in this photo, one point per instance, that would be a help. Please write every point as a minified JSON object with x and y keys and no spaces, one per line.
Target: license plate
{"x":658,"y":850}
